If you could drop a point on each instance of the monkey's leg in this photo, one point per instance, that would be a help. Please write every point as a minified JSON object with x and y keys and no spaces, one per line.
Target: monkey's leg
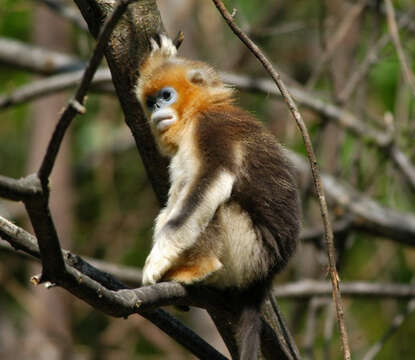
{"x":194,"y":268}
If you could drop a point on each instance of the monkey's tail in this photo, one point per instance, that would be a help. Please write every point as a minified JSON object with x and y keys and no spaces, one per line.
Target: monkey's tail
{"x":249,"y":333}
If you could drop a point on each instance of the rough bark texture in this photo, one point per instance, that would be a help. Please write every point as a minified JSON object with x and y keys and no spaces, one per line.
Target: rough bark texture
{"x":128,"y":45}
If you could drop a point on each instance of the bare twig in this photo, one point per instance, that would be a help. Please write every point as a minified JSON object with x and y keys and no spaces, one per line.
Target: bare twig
{"x":316,"y":234}
{"x":178,"y":39}
{"x":364,"y":213}
{"x":20,"y":189}
{"x":51,"y":85}
{"x":313,"y":162}
{"x":29,"y":249}
{"x":358,"y":289}
{"x":76,"y":106}
{"x":34,"y":58}
{"x":370,"y":59}
{"x":337,"y":39}
{"x":393,"y":29}
{"x":311,"y":101}
{"x":360,"y":73}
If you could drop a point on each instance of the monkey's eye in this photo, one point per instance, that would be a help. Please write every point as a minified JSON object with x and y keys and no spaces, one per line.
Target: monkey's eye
{"x":168,"y":95}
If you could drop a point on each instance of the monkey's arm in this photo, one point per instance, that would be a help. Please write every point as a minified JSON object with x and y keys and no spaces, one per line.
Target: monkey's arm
{"x":185,"y":220}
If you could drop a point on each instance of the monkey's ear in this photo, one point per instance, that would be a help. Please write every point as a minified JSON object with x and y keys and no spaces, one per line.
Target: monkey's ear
{"x":202,"y":77}
{"x":197,"y":76}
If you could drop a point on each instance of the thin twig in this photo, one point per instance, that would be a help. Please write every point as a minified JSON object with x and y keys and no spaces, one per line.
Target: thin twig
{"x":363,"y":69}
{"x":336,"y":40}
{"x":366,"y":214}
{"x":358,"y":289}
{"x":370,"y":59}
{"x":34,"y":58}
{"x":313,"y":162}
{"x":393,"y":29}
{"x":51,"y":85}
{"x":76,"y":106}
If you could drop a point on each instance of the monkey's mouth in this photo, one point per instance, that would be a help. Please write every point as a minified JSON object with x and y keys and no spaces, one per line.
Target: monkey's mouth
{"x":163,"y":120}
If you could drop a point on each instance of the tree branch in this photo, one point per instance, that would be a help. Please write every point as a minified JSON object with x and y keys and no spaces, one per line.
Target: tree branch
{"x":370,"y":59}
{"x":19,"y":189}
{"x":364,"y":213}
{"x":76,"y":106}
{"x":107,"y":273}
{"x":51,"y":85}
{"x":356,"y":289}
{"x":393,"y":29}
{"x":313,"y":163}
{"x":128,"y":46}
{"x":34,"y":58}
{"x":106,"y":293}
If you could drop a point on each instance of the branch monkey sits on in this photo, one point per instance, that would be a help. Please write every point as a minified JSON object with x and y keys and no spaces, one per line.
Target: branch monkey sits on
{"x":233,"y":215}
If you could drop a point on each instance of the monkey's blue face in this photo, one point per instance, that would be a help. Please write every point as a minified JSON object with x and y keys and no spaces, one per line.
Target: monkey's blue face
{"x":162,"y":115}
{"x":163,"y":98}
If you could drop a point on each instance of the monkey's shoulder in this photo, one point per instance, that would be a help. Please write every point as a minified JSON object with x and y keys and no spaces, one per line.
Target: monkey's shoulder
{"x":228,"y":134}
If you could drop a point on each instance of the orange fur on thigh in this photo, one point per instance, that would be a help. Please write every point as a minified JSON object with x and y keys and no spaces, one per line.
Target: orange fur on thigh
{"x":193,"y":271}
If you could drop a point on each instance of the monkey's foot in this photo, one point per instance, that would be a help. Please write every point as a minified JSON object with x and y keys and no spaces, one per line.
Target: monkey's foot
{"x":159,"y":261}
{"x":154,"y":269}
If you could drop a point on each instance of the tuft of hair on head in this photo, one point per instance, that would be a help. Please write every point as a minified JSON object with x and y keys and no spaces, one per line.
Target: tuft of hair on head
{"x":165,"y":48}
{"x":161,"y":50}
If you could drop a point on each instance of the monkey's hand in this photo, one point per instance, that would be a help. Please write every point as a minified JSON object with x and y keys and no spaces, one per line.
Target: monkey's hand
{"x":161,"y":258}
{"x":178,"y":232}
